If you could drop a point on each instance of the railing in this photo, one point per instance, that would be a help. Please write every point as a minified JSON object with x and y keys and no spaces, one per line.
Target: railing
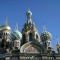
{"x":30,"y":56}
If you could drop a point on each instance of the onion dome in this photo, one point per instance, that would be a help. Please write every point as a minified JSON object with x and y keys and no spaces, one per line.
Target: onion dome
{"x":58,"y":47}
{"x":28,"y":12}
{"x":5,"y":27}
{"x":16,"y":34}
{"x":45,"y":35}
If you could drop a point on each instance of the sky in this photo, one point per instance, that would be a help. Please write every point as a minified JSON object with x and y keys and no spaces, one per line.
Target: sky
{"x":43,"y":11}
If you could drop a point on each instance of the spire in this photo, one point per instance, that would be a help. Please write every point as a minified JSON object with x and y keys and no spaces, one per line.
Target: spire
{"x":16,"y":28}
{"x":29,"y":14}
{"x":6,"y":23}
{"x":57,"y":40}
{"x":28,"y":9}
{"x":44,"y":28}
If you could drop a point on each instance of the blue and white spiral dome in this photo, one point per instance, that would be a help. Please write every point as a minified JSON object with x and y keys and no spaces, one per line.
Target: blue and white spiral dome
{"x":16,"y":35}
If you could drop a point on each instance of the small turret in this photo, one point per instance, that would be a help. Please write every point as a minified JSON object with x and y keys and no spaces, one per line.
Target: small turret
{"x":29,"y":14}
{"x":16,"y":37}
{"x":5,"y":31}
{"x":29,"y":32}
{"x":58,"y":45}
{"x":45,"y":35}
{"x":46,"y":38}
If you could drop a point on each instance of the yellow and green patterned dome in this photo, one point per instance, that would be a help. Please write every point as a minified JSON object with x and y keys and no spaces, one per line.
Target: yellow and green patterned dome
{"x":16,"y":35}
{"x":58,"y":47}
{"x":45,"y":36}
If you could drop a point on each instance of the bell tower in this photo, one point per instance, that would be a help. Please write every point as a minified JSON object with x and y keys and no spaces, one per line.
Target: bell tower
{"x":29,"y":32}
{"x":16,"y":37}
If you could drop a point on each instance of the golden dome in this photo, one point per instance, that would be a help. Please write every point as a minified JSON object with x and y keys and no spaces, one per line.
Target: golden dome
{"x":58,"y":46}
{"x":5,"y":27}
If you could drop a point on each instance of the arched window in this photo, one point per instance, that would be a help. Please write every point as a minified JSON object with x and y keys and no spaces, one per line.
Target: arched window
{"x":18,"y":43}
{"x":15,"y":43}
{"x":36,"y":36}
{"x":24,"y":38}
{"x":48,"y":43}
{"x":4,"y":33}
{"x":3,"y":44}
{"x":0,"y":35}
{"x":7,"y":44}
{"x":45,"y":44}
{"x":12,"y":43}
{"x":30,"y":36}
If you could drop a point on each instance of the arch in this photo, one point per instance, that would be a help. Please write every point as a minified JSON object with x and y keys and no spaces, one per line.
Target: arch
{"x":34,"y":44}
{"x":29,"y":31}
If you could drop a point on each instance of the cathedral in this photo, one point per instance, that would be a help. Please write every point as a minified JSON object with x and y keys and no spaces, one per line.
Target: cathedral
{"x":27,"y":41}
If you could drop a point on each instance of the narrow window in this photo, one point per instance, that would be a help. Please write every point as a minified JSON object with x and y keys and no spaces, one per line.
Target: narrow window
{"x":4,"y":33}
{"x":30,"y":36}
{"x":24,"y":38}
{"x":45,"y":44}
{"x":2,"y":44}
{"x":7,"y":44}
{"x":15,"y":43}
{"x":0,"y":35}
{"x":36,"y":36}
{"x":18,"y":43}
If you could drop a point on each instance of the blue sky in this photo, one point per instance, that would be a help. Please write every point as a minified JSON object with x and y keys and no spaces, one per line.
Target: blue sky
{"x":43,"y":11}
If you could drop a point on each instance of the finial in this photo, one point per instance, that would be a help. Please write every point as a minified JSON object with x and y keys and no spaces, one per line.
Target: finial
{"x":28,"y":9}
{"x":57,"y":40}
{"x":16,"y":27}
{"x":6,"y":23}
{"x":44,"y":28}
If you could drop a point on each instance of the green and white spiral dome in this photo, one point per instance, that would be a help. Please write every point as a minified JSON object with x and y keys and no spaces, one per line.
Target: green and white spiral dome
{"x":45,"y":36}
